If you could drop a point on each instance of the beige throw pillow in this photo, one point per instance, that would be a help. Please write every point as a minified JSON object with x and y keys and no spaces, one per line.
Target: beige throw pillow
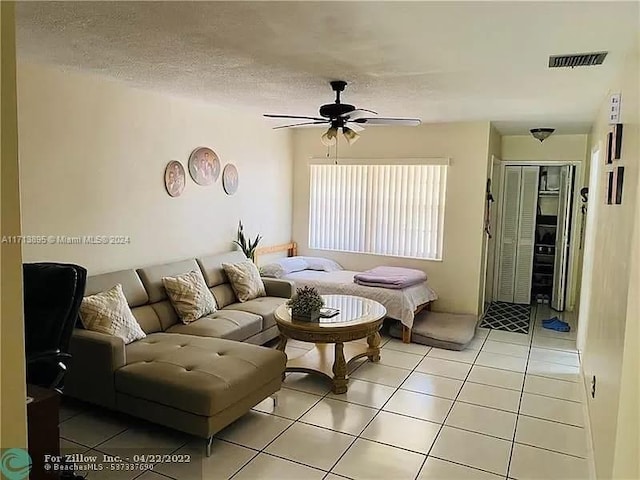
{"x":108,"y":312}
{"x":245,"y":280}
{"x":190,"y":296}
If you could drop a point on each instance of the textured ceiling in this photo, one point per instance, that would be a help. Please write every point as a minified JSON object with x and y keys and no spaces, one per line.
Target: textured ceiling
{"x":440,"y":61}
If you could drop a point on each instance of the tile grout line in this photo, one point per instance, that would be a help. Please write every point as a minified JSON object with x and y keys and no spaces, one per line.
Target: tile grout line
{"x":524,"y":381}
{"x":435,"y":439}
{"x":293,"y":422}
{"x":262,"y":450}
{"x":378,"y":410}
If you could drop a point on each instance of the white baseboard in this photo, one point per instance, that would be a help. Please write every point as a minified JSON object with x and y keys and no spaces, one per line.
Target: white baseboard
{"x":591,"y":457}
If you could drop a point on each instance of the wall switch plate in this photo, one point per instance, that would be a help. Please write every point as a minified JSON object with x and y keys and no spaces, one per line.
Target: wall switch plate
{"x":614,"y":108}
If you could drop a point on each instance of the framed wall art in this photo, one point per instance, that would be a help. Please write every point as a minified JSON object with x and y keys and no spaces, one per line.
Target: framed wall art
{"x":175,"y":178}
{"x":230,"y":179}
{"x":204,"y":166}
{"x":619,"y":185}
{"x":617,"y":141}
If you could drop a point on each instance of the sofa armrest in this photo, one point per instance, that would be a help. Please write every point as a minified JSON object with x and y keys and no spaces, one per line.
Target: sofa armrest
{"x":94,"y":359}
{"x":276,"y":287}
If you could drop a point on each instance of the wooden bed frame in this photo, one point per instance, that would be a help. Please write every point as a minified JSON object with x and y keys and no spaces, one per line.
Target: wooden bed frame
{"x":292,"y":250}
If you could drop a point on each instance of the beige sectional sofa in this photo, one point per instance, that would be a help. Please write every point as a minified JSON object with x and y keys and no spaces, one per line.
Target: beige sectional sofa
{"x":197,"y":378}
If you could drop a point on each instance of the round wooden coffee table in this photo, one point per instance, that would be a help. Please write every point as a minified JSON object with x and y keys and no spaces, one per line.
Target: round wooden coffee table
{"x":358,"y":318}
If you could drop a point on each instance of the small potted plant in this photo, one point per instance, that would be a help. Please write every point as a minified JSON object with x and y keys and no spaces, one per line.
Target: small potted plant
{"x":306,"y":304}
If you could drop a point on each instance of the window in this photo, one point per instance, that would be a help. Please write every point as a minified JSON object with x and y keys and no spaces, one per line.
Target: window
{"x":395,"y":210}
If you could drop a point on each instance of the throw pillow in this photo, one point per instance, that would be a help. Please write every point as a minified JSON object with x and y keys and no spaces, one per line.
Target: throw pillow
{"x":322,"y":264}
{"x":283,"y":266}
{"x":190,"y":296}
{"x":245,"y":280}
{"x":108,"y":312}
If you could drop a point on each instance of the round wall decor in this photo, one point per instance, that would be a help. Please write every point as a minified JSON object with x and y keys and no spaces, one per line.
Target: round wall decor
{"x":174,"y":178}
{"x":204,"y":166}
{"x":230,"y":179}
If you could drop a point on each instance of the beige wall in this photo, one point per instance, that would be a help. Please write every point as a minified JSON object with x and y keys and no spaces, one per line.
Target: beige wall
{"x":555,"y":148}
{"x":13,"y":431}
{"x":567,"y":148}
{"x":457,"y":277}
{"x":612,"y":334}
{"x":93,"y":154}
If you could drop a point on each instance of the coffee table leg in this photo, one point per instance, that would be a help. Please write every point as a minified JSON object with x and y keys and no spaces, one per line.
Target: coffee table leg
{"x":282,"y":344}
{"x":339,"y":370}
{"x":373,"y":353}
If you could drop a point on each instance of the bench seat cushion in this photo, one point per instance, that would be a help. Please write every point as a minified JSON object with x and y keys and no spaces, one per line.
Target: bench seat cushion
{"x":263,"y":306}
{"x":198,"y":375}
{"x":228,"y":324}
{"x":452,"y":331}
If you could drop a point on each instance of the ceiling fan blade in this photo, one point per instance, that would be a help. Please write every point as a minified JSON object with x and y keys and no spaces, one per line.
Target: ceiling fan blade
{"x":354,"y":126}
{"x":358,"y":113}
{"x":407,"y":122}
{"x":300,"y":124}
{"x":268,"y":115}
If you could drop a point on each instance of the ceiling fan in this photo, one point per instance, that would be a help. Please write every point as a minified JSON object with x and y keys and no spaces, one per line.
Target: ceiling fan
{"x":344,"y":116}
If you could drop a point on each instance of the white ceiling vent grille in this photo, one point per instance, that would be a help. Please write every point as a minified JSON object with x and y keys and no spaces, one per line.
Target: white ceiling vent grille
{"x":577,"y":60}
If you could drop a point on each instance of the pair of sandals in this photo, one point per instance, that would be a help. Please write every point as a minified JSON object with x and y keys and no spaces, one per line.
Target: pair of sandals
{"x":556,"y":324}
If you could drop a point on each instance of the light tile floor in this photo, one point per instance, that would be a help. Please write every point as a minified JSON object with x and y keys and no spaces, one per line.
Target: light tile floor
{"x":509,"y":407}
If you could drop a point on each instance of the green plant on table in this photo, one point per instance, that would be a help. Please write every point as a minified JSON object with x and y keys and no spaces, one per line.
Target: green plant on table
{"x":306,"y":302}
{"x":247,"y":245}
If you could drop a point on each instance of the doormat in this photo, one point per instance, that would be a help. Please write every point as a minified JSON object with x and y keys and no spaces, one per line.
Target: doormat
{"x":510,"y":317}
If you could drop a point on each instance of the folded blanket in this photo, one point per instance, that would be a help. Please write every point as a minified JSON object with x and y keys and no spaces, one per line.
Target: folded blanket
{"x":390,"y":277}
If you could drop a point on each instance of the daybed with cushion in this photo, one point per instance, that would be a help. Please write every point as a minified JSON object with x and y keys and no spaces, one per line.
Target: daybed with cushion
{"x":198,"y":377}
{"x":328,"y":277}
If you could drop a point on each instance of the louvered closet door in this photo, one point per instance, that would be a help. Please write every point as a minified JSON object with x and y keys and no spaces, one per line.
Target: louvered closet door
{"x":562,"y":239}
{"x":509,"y":233}
{"x":526,"y":234}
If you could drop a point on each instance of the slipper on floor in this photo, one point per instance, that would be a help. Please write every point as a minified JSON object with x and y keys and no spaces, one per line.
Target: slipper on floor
{"x":550,"y":320}
{"x":557,"y":325}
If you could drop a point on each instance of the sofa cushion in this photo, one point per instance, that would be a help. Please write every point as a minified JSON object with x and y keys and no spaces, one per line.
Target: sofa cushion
{"x":108,"y":312}
{"x":228,"y":324}
{"x":211,"y":266}
{"x":223,"y":294}
{"x":196,"y":374}
{"x":189,"y":295}
{"x":263,"y":306}
{"x":152,"y":277}
{"x":132,"y":287}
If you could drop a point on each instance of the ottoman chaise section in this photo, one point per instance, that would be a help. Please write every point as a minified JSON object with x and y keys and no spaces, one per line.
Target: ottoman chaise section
{"x":196,"y":384}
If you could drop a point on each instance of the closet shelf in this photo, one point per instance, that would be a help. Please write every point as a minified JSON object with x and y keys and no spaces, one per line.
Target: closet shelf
{"x":547,"y":225}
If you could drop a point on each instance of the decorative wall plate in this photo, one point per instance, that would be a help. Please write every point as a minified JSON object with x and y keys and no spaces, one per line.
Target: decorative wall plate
{"x":230,"y":179}
{"x":204,"y":166}
{"x":174,"y":178}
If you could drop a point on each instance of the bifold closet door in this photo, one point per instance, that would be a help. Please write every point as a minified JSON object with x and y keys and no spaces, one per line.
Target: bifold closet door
{"x":562,"y":239}
{"x":509,"y":233}
{"x":526,"y":234}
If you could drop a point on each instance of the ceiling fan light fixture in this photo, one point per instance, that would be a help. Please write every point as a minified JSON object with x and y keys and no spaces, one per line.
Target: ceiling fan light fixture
{"x":329,"y":137}
{"x":542,"y":133}
{"x":351,"y":136}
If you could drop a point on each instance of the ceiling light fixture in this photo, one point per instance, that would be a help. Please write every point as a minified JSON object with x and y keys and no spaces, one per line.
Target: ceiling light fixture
{"x":542,"y":133}
{"x":351,"y":136}
{"x":329,"y":137}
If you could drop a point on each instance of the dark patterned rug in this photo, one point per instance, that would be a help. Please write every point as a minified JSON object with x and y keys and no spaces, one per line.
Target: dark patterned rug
{"x":511,"y":317}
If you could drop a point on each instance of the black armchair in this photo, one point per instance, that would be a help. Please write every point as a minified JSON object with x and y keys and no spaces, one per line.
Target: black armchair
{"x":52,"y":296}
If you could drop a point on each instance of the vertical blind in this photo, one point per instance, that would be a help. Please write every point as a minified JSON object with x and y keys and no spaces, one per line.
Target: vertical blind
{"x":395,"y":210}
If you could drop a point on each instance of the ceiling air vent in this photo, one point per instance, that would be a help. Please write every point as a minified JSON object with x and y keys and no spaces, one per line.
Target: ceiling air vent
{"x":577,"y":60}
